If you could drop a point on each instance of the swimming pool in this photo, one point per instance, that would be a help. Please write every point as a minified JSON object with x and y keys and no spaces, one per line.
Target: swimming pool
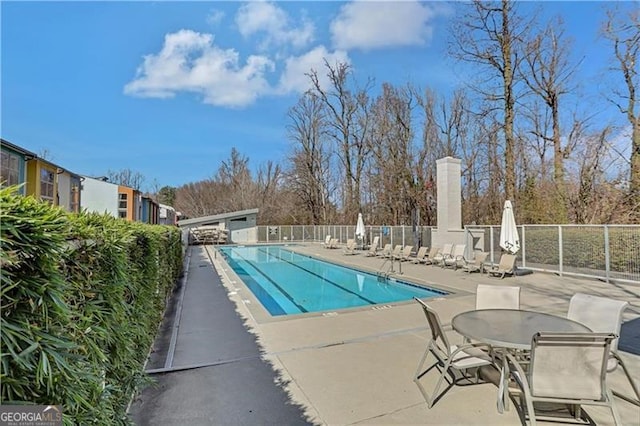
{"x":288,"y":283}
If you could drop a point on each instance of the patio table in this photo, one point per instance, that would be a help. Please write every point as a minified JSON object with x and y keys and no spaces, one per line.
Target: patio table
{"x":510,"y":330}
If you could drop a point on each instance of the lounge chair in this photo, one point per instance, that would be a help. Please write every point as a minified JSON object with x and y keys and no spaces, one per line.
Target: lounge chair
{"x":421,"y":255}
{"x":506,"y":266}
{"x":373,"y":248}
{"x":564,"y":368}
{"x":396,"y":252}
{"x":477,"y":265}
{"x":405,"y":253}
{"x":385,"y":252}
{"x":333,"y":243}
{"x":604,"y":315}
{"x":456,"y":256}
{"x":497,"y":297}
{"x":440,"y":256}
{"x":433,"y":252}
{"x":448,"y":358}
{"x":350,"y":248}
{"x":327,"y":241}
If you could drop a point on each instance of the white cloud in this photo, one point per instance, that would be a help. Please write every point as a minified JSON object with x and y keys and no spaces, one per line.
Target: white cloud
{"x":214,"y":17}
{"x":371,"y":25}
{"x":294,"y":77}
{"x":264,"y":17}
{"x":189,"y":61}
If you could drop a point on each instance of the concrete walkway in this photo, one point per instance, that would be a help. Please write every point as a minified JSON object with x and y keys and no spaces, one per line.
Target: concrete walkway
{"x":234,"y":364}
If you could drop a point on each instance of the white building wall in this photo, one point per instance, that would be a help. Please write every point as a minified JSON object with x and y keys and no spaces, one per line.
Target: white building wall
{"x":98,"y":196}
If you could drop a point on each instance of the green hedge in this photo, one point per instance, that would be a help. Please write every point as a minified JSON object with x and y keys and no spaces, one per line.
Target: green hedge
{"x":82,"y":297}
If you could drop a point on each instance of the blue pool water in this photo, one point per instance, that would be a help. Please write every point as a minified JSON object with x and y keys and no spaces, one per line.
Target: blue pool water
{"x":287,"y":283}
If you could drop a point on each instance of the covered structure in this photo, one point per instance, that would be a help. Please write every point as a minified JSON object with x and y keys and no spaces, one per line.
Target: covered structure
{"x":234,"y":227}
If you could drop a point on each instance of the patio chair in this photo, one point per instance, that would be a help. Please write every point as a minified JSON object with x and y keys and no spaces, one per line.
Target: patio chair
{"x":327,"y":241}
{"x":421,"y":255}
{"x":457,"y":255}
{"x":396,"y":252}
{"x":386,"y":251}
{"x":564,"y":368}
{"x":350,"y":248}
{"x":506,"y":266}
{"x":440,"y":256}
{"x":433,"y":252}
{"x":451,"y":361}
{"x":373,"y":248}
{"x":477,"y":265}
{"x":603,"y":315}
{"x":405,"y":254}
{"x":333,"y":243}
{"x":497,"y":297}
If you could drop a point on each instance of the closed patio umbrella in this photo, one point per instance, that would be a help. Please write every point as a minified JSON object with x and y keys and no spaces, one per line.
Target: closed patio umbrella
{"x":360,"y":231}
{"x":509,"y":239}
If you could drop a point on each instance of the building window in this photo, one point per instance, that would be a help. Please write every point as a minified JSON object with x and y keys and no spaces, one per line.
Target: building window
{"x":47,"y":179}
{"x":10,"y":169}
{"x":122,"y":205}
{"x":75,"y":198}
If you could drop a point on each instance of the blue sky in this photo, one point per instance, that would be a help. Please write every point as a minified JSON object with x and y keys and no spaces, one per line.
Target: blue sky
{"x":99,"y":85}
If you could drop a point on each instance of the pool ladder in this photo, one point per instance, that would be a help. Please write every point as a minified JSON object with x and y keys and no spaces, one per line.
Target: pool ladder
{"x":384,"y":274}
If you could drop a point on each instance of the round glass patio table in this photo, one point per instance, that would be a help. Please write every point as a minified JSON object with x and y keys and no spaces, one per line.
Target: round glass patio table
{"x":511,"y":328}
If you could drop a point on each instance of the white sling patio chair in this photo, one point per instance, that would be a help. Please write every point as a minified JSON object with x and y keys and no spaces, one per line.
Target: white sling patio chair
{"x":421,"y":255}
{"x":327,"y":241}
{"x":350,"y":248}
{"x":456,"y":256}
{"x":433,"y":252}
{"x":449,"y":359}
{"x":506,"y":266}
{"x":405,"y":253}
{"x":442,"y":254}
{"x":396,"y":252}
{"x":604,"y":315}
{"x":477,"y":264}
{"x":564,"y":368}
{"x":386,"y":250}
{"x":497,"y":297}
{"x":373,"y":248}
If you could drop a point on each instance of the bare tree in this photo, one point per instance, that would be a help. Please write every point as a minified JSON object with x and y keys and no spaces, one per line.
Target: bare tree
{"x":622,"y":29}
{"x":309,"y":176}
{"x":548,"y":72}
{"x":346,"y":112}
{"x":126,"y":177}
{"x":489,"y":34}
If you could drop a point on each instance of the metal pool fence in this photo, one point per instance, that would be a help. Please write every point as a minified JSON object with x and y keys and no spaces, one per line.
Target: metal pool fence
{"x":607,"y":252}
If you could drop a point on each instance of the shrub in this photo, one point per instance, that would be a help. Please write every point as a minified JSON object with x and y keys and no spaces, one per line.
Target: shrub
{"x":82,"y":297}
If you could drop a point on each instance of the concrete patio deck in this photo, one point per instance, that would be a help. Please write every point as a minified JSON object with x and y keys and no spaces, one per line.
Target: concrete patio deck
{"x":235,"y":364}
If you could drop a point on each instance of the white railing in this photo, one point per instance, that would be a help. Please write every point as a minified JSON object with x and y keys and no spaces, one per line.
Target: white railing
{"x":608,"y":252}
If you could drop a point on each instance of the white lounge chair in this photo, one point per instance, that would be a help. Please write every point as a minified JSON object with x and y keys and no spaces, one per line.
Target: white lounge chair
{"x":350,"y":248}
{"x":565,"y":368}
{"x":506,"y":266}
{"x":442,"y":254}
{"x":396,"y":252}
{"x":448,"y":357}
{"x":327,"y":241}
{"x":386,"y":251}
{"x":604,"y":315}
{"x":373,"y":248}
{"x":421,"y":255}
{"x":477,"y":264}
{"x":433,"y":252}
{"x":457,"y":255}
{"x":405,"y":253}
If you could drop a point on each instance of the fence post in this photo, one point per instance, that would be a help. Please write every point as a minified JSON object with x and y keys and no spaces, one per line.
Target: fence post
{"x":491,"y":244}
{"x":523,"y":247}
{"x":560,"y":260}
{"x":607,"y":254}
